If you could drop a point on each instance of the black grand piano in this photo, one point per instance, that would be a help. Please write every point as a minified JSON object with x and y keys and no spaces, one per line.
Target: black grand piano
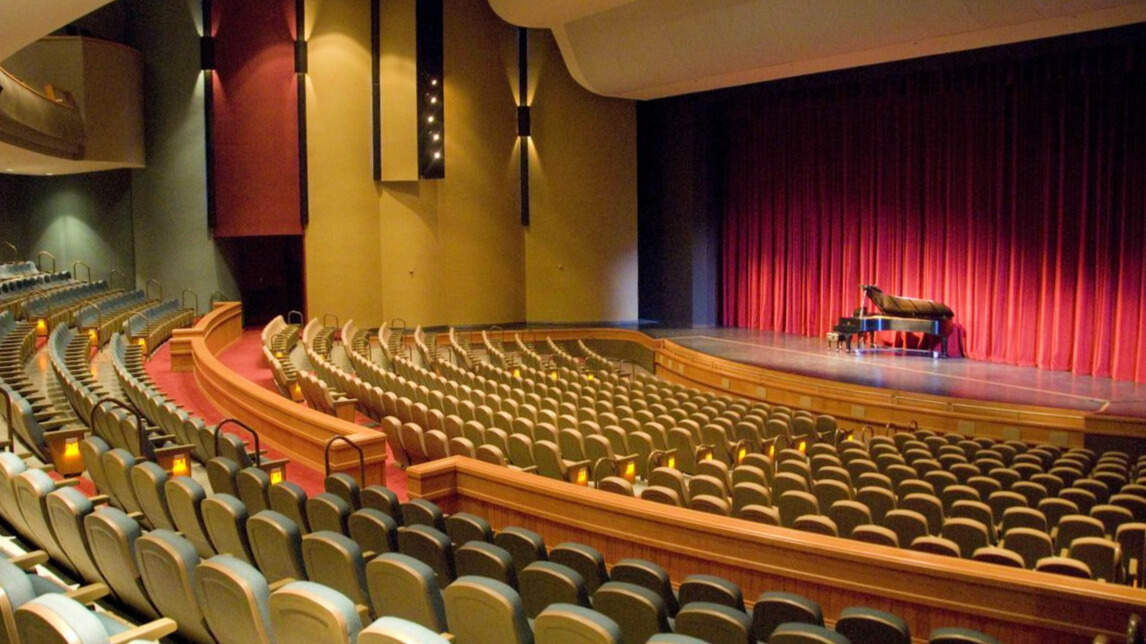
{"x":894,"y":313}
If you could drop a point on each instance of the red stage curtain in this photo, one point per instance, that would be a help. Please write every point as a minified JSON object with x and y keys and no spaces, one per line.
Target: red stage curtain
{"x":1015,"y":193}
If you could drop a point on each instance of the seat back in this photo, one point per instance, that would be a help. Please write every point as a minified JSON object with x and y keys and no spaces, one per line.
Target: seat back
{"x":482,"y":559}
{"x":404,"y":587}
{"x":335,"y":560}
{"x":775,"y":608}
{"x":373,"y":531}
{"x":328,"y":512}
{"x":430,"y":546}
{"x":393,"y":630}
{"x":112,"y":535}
{"x":166,"y":561}
{"x":544,"y":583}
{"x":184,"y":498}
{"x":586,"y":560}
{"x":714,"y":623}
{"x":639,"y":612}
{"x":304,"y":612}
{"x":225,"y":518}
{"x":31,"y":488}
{"x":221,"y":473}
{"x":566,"y":623}
{"x":67,"y":507}
{"x":253,"y":485}
{"x":870,"y":626}
{"x":233,"y":596}
{"x":276,"y":546}
{"x":289,"y":499}
{"x":482,"y":611}
{"x":147,"y":481}
{"x":650,"y":576}
{"x":117,"y":465}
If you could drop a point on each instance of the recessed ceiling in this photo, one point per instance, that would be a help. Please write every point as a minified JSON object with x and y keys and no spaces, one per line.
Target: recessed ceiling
{"x":645,"y":49}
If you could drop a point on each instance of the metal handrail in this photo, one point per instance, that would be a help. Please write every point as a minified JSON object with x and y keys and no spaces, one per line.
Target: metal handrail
{"x":217,"y":296}
{"x":146,"y":322}
{"x":50,"y":256}
{"x":99,"y":406}
{"x":183,"y":299}
{"x":75,"y":271}
{"x":326,"y":316}
{"x":147,"y":288}
{"x":236,"y":421}
{"x":111,"y":277}
{"x":301,"y":319}
{"x":15,"y":251}
{"x":361,"y":457}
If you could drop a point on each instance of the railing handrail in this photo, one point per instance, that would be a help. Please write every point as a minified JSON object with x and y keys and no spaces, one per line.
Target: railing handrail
{"x":361,"y":457}
{"x":99,"y":406}
{"x":250,"y":430}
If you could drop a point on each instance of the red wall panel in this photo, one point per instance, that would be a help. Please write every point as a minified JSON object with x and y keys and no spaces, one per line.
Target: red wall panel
{"x":256,"y":119}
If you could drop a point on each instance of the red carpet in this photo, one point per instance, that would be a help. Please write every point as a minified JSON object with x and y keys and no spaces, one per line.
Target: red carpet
{"x":245,"y":357}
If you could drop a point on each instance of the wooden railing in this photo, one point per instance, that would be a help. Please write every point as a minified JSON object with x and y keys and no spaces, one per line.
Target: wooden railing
{"x":928,"y":591}
{"x":295,"y":430}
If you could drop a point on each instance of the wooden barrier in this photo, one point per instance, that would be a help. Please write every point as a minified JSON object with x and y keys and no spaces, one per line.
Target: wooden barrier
{"x":295,"y":430}
{"x":928,"y":591}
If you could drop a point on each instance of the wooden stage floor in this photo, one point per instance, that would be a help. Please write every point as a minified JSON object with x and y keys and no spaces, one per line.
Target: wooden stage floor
{"x":916,"y":372}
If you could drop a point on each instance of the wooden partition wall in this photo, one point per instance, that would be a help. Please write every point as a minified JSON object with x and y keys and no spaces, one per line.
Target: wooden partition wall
{"x":929,"y":591}
{"x":296,"y":430}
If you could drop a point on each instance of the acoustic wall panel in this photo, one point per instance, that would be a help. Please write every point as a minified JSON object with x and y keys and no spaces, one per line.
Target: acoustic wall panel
{"x":256,"y":126}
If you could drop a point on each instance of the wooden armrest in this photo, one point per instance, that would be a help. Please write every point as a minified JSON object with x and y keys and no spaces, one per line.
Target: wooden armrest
{"x":155,"y":630}
{"x":135,"y":515}
{"x":280,"y":583}
{"x":29,"y":560}
{"x":267,"y":464}
{"x":363,"y":613}
{"x":88,"y":594}
{"x":173,"y":449}
{"x":69,"y":482}
{"x":100,"y":499}
{"x":345,"y":401}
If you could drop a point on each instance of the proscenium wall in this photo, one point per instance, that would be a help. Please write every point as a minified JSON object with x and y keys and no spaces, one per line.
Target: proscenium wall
{"x":581,"y":244}
{"x":453,"y":251}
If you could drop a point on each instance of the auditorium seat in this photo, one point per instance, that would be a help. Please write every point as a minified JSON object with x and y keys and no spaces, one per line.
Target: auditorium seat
{"x":166,"y":563}
{"x":969,"y":535}
{"x":276,"y":546}
{"x":907,"y":525}
{"x":565,"y":623}
{"x":585,"y":560}
{"x":1064,"y":566}
{"x":483,"y":559}
{"x":948,"y":635}
{"x":639,"y":612}
{"x":714,"y":623}
{"x":31,"y":488}
{"x":525,"y":546}
{"x":56,"y":619}
{"x":775,"y":608}
{"x":463,"y":527}
{"x":404,"y":587}
{"x":112,"y":535}
{"x":795,"y":633}
{"x":335,"y":560}
{"x":999,"y":556}
{"x":878,"y":500}
{"x":1102,"y":556}
{"x":848,"y":515}
{"x":303,"y":612}
{"x":225,"y":520}
{"x":233,"y":596}
{"x":373,"y":531}
{"x":1029,"y":544}
{"x":1076,"y":526}
{"x":870,"y":626}
{"x":648,"y":575}
{"x":876,"y":534}
{"x":184,"y":499}
{"x":148,"y":481}
{"x":712,"y":589}
{"x":1023,"y":517}
{"x":392,"y":630}
{"x":67,"y":508}
{"x":430,"y":546}
{"x":484,"y":611}
{"x":936,"y":546}
{"x":252,"y":484}
{"x":544,"y":583}
{"x":326,"y":511}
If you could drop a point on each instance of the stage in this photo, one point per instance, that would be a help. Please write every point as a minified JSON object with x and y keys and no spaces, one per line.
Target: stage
{"x":916,"y":372}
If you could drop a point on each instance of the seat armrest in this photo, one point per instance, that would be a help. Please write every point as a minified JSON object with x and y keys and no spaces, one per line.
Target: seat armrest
{"x":88,"y":594}
{"x":155,"y":630}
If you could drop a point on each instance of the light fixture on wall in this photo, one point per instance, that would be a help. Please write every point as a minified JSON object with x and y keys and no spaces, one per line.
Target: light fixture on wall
{"x":300,"y":61}
{"x":524,"y":119}
{"x":207,"y":53}
{"x":431,"y":102}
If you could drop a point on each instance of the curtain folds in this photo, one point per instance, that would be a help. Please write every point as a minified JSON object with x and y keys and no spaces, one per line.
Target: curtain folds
{"x":1014,"y":193}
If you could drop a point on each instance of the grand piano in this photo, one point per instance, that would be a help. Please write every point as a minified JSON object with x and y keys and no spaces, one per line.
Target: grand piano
{"x":895,"y":313}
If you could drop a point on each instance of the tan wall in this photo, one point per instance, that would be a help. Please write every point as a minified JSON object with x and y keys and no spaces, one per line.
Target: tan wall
{"x":453,"y":251}
{"x":581,"y":247}
{"x":343,"y":259}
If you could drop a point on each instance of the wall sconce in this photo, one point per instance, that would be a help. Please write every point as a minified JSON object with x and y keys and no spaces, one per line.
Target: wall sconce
{"x":523,"y":126}
{"x":207,"y":53}
{"x":300,"y":62}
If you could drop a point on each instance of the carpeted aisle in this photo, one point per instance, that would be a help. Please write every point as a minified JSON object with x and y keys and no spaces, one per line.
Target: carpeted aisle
{"x":245,"y":357}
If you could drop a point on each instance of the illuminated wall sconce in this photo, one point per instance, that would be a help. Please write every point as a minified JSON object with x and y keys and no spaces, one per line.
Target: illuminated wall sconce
{"x":300,"y":57}
{"x":524,"y":119}
{"x":207,"y":53}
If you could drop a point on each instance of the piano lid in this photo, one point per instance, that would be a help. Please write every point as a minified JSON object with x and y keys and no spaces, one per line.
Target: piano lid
{"x":907,"y":307}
